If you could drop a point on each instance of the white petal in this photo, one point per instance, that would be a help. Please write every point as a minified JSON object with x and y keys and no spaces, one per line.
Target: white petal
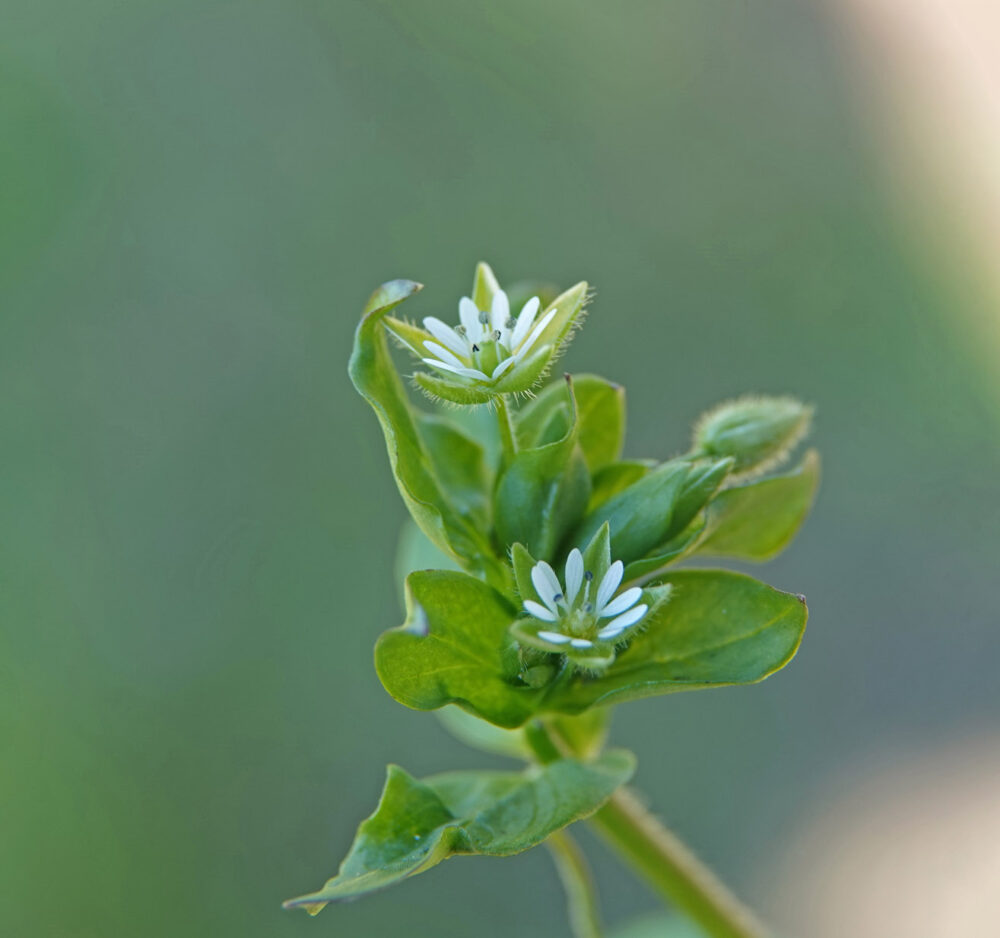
{"x":469,"y":315}
{"x":444,"y":354}
{"x":609,"y":583}
{"x":556,"y":638}
{"x":500,"y":310}
{"x":620,"y":603}
{"x":539,"y":611}
{"x":574,"y":574}
{"x":446,"y":335}
{"x":501,"y":368}
{"x":524,"y":321}
{"x":581,"y":643}
{"x":623,"y":621}
{"x":546,"y":584}
{"x":464,"y":372}
{"x":536,"y":332}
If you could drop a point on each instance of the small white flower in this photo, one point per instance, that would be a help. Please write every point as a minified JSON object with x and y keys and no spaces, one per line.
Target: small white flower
{"x":575,"y":612}
{"x":486,"y":343}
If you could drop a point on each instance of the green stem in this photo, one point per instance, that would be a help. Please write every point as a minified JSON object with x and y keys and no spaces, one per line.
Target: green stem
{"x":581,"y":896}
{"x":672,"y":869}
{"x":659,"y":855}
{"x":505,"y":420}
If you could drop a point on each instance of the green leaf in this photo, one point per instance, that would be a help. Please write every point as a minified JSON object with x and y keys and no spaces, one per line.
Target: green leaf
{"x":600,"y":406}
{"x":616,"y":478}
{"x":418,"y":824}
{"x":543,"y":492}
{"x":460,"y":464}
{"x":454,"y":648}
{"x":757,"y":521}
{"x":416,"y":471}
{"x":640,"y":515}
{"x":719,"y":628}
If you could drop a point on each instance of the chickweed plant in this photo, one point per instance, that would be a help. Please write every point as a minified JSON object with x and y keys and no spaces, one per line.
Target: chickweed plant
{"x":562,"y":592}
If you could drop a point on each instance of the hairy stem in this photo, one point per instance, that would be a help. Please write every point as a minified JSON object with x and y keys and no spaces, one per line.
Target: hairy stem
{"x":505,"y":421}
{"x":672,"y":869}
{"x":581,"y":895}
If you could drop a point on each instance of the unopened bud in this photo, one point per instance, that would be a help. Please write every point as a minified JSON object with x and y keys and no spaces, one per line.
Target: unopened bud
{"x":757,"y":432}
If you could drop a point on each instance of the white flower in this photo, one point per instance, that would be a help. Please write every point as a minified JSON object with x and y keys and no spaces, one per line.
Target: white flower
{"x":575,"y":612}
{"x":485,"y":344}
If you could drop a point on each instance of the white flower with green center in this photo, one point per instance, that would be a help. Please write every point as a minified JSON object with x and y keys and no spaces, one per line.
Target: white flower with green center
{"x":484,"y":344}
{"x":584,"y":617}
{"x":489,"y":352}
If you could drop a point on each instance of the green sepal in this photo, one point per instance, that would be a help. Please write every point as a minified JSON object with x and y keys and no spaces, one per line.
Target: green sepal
{"x":542,"y":492}
{"x":484,"y":286}
{"x":758,"y":520}
{"x":414,"y":468}
{"x":417,"y":824}
{"x":454,"y":647}
{"x":522,"y":377}
{"x":719,"y":628}
{"x":569,"y":308}
{"x":600,"y":408}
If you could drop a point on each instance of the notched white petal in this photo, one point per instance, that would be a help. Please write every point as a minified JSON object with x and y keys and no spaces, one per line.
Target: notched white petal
{"x":556,"y":638}
{"x":469,"y":315}
{"x":609,"y":583}
{"x":539,"y":611}
{"x":574,"y":574}
{"x":546,"y":584}
{"x":626,"y":619}
{"x":446,"y":335}
{"x":444,"y":354}
{"x":500,"y":310}
{"x":620,"y":603}
{"x":524,"y":320}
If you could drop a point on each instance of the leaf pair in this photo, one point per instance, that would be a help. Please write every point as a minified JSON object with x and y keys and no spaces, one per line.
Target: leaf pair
{"x":417,"y":824}
{"x":719,"y":628}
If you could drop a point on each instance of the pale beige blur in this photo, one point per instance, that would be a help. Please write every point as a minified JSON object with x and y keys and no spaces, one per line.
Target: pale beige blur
{"x":909,"y":849}
{"x":928,"y":71}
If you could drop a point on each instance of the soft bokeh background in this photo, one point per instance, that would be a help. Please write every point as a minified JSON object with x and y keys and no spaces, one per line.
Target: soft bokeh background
{"x":198,"y":517}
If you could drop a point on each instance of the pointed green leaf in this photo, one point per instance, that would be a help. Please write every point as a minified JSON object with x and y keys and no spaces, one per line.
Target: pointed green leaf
{"x":757,"y":521}
{"x":460,"y":464}
{"x":425,"y":494}
{"x":719,"y":628}
{"x":542,"y":493}
{"x":418,"y":824}
{"x":616,"y":478}
{"x":600,"y":408}
{"x":454,"y":648}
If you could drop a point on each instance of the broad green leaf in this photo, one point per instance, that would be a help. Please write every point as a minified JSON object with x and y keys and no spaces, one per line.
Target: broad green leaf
{"x":460,"y":464}
{"x":479,"y":734}
{"x":674,"y":550}
{"x":719,"y":628}
{"x":417,"y":824}
{"x":414,"y":551}
{"x":600,"y":406}
{"x":454,"y":648}
{"x":425,"y":494}
{"x":640,"y":515}
{"x":542,"y":493}
{"x":616,"y":478}
{"x":757,"y":521}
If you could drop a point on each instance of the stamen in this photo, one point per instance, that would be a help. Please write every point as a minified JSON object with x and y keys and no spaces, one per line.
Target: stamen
{"x":588,"y":575}
{"x":510,"y":323}
{"x":475,"y":348}
{"x":557,"y":597}
{"x":496,"y":335}
{"x":460,"y":329}
{"x":588,"y":607}
{"x":484,"y":317}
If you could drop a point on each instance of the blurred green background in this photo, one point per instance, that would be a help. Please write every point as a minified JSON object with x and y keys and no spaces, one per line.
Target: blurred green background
{"x":197,"y":512}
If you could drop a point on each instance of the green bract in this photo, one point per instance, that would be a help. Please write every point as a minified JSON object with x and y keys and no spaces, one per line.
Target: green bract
{"x":541,"y":584}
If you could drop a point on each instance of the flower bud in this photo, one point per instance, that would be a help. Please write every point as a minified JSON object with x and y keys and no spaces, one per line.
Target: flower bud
{"x":757,"y":432}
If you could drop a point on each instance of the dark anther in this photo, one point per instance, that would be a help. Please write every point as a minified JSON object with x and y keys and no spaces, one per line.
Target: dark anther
{"x":588,"y":607}
{"x":484,"y":317}
{"x":557,"y":597}
{"x":588,"y":576}
{"x":496,"y":335}
{"x":475,"y":348}
{"x":510,"y":323}
{"x":460,"y":330}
